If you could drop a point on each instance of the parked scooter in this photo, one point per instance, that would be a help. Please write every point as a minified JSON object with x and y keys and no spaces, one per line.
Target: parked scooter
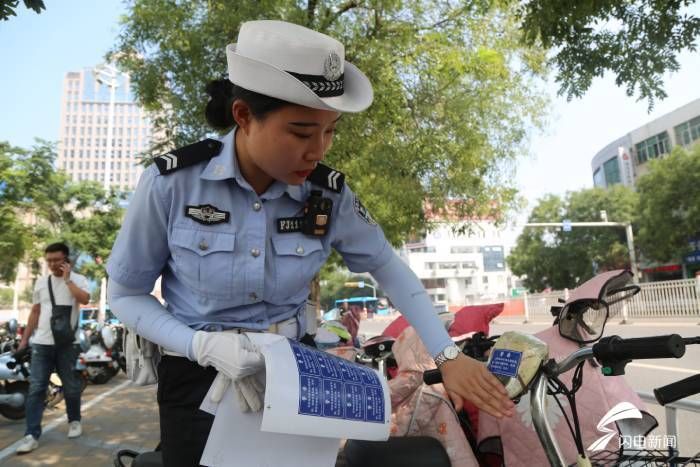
{"x":14,"y":373}
{"x":101,"y":364}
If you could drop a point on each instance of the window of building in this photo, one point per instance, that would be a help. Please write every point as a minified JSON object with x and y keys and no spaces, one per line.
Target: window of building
{"x":430,"y":265}
{"x":485,"y":279}
{"x":468,"y":281}
{"x":433,"y":283}
{"x":462,"y":249}
{"x":611,"y":169}
{"x":688,"y":132}
{"x":448,"y":265}
{"x":422,"y":249}
{"x":653,"y":147}
{"x":440,"y":297}
{"x":599,"y":178}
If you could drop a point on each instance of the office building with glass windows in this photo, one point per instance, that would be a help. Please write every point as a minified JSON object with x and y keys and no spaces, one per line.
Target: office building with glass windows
{"x":625,"y":159}
{"x":85,"y":143}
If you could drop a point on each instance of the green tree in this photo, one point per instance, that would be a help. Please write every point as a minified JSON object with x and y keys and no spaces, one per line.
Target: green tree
{"x":455,"y":93}
{"x":39,"y":205}
{"x":9,"y":7}
{"x":669,"y":205}
{"x":637,"y":40}
{"x":549,"y":257}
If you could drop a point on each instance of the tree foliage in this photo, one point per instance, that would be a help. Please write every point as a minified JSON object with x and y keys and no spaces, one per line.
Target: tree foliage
{"x":9,"y":7}
{"x":455,"y":92}
{"x":39,"y":205}
{"x":669,"y":205}
{"x":637,"y":40}
{"x":552,"y":258}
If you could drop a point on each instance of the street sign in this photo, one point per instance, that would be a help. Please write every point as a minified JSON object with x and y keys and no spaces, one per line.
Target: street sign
{"x":566,"y":225}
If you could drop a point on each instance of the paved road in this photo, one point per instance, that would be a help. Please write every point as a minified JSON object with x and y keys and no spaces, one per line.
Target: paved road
{"x":116,"y":415}
{"x":641,"y":375}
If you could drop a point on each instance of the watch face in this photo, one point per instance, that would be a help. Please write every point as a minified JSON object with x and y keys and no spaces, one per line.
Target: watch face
{"x":451,"y":352}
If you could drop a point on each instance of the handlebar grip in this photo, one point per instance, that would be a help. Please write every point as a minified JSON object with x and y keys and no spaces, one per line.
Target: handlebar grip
{"x":678,"y":390}
{"x":432,"y":377}
{"x":617,"y":348}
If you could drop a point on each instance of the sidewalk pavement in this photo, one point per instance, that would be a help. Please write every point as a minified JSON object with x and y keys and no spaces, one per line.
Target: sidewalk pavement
{"x":115,"y":416}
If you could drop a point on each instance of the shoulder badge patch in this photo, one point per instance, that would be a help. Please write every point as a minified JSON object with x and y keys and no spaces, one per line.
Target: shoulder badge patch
{"x":206,"y":214}
{"x":362,"y":211}
{"x":188,"y":155}
{"x":326,"y":177}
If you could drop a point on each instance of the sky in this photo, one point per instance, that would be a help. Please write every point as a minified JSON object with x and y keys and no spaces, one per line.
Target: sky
{"x":37,"y":50}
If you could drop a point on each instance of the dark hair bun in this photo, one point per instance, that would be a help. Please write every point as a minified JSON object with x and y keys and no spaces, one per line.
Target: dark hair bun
{"x":218,"y":111}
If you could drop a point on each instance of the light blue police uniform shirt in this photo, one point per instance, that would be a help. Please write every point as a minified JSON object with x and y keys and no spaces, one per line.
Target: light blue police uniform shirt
{"x":239,"y":273}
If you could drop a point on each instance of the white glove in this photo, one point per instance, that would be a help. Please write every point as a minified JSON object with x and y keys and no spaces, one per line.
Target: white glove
{"x":230,"y":353}
{"x":250,"y":391}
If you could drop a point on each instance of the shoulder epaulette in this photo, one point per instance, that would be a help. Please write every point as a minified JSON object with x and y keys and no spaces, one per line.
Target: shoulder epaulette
{"x":327,"y":178}
{"x":188,"y":155}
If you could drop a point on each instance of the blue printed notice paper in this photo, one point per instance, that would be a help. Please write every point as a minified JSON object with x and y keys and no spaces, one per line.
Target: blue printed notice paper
{"x":505,"y":362}
{"x":332,"y":387}
{"x":313,"y":393}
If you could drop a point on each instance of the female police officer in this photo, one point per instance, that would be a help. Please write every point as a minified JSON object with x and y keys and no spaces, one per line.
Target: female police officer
{"x":238,"y":226}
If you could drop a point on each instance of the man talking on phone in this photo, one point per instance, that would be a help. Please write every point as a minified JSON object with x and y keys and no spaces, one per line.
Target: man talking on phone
{"x":53,"y":322}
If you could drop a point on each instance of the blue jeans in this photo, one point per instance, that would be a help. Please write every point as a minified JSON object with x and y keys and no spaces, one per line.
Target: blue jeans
{"x":46,"y":358}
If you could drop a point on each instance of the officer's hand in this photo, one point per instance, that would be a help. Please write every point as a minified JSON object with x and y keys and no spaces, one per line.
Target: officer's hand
{"x":230,"y":353}
{"x":250,"y":391}
{"x":467,"y":379}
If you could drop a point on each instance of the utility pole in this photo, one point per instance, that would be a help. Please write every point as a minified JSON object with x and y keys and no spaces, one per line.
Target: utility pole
{"x":108,"y":75}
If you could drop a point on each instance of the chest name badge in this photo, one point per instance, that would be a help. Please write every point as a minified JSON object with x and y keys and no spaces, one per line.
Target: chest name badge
{"x":206,"y":214}
{"x":316,"y":218}
{"x":290,"y":224}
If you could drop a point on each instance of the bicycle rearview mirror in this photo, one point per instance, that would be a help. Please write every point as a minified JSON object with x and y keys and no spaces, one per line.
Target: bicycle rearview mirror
{"x":583,"y":317}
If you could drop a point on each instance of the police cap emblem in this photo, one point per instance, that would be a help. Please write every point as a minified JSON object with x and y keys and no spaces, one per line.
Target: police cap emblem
{"x":332,"y":68}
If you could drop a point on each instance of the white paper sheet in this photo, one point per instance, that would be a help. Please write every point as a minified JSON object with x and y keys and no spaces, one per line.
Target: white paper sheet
{"x":236,"y":440}
{"x":312,"y":399}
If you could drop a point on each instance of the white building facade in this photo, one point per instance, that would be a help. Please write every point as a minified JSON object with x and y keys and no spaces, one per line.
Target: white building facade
{"x":461,"y":269}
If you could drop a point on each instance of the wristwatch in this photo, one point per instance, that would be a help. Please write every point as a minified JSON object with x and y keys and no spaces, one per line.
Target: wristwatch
{"x":448,"y":353}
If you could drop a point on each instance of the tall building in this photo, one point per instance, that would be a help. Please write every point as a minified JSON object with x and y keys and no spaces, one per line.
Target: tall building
{"x":84,"y":144}
{"x":625,"y":159}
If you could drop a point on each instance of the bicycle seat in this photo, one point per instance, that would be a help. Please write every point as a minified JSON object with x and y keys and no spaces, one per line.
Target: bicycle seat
{"x":410,"y":451}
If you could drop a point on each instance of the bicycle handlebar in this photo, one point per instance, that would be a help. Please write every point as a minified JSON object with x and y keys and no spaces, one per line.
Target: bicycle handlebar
{"x":637,"y":348}
{"x":432,"y":377}
{"x":678,"y":390}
